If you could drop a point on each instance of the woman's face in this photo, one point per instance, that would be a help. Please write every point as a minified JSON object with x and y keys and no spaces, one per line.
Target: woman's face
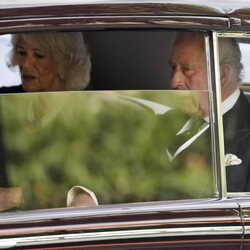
{"x":37,"y":68}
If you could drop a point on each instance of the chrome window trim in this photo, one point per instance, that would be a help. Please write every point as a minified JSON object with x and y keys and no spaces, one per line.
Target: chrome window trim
{"x":120,"y":234}
{"x":35,"y":229}
{"x":218,"y":125}
{"x":179,"y":206}
{"x":237,"y":195}
{"x":208,"y":50}
{"x":239,"y":34}
{"x":246,"y":230}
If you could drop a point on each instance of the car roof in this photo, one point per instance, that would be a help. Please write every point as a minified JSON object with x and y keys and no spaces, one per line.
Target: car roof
{"x":166,"y":6}
{"x":235,"y":9}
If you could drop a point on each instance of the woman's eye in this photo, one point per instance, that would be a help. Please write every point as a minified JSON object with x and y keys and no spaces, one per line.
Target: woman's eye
{"x":21,"y":52}
{"x":39,"y":55}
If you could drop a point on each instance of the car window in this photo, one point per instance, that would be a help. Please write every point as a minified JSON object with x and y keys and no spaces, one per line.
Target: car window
{"x":245,"y":49}
{"x":234,"y":78}
{"x":120,"y":59}
{"x":9,"y":77}
{"x":141,"y":132}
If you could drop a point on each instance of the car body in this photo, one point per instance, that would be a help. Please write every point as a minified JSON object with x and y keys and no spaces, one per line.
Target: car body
{"x":219,"y":222}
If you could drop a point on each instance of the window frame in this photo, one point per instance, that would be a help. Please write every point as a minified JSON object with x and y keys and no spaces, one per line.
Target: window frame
{"x":123,"y":20}
{"x":217,"y":35}
{"x":214,"y":84}
{"x":213,"y":78}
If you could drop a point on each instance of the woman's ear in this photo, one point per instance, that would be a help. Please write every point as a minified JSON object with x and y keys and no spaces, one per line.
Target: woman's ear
{"x":226,"y":74}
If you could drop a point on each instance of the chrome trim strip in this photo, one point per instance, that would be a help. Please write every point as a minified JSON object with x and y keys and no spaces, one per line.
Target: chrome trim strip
{"x":117,"y":210}
{"x":246,"y":230}
{"x":211,"y":206}
{"x":130,"y":225}
{"x":117,"y":235}
{"x":234,"y":34}
{"x":211,"y":111}
{"x":238,"y":194}
{"x":222,"y":184}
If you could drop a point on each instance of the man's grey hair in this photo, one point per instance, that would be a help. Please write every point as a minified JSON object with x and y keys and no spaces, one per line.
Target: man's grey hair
{"x":230,"y":54}
{"x":68,"y":50}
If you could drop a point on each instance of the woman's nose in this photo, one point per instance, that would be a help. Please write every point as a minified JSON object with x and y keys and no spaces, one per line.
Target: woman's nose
{"x":27,"y":61}
{"x":177,"y":80}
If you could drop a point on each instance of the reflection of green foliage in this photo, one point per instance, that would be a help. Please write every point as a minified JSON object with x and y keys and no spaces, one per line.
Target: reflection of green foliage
{"x":112,"y":146}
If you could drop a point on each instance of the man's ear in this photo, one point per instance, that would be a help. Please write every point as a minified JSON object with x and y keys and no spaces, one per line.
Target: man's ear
{"x":226,"y":72}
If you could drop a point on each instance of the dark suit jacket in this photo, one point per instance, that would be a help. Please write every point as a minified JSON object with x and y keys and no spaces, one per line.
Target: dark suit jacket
{"x":11,"y":89}
{"x":236,"y":124}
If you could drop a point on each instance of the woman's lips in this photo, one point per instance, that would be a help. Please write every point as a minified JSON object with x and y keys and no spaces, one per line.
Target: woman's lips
{"x":28,"y":77}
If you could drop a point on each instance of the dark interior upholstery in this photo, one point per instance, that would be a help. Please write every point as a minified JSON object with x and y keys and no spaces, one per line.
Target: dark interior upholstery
{"x":129,"y":59}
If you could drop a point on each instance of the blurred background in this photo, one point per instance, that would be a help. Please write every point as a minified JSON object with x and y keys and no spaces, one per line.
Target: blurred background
{"x":106,"y":141}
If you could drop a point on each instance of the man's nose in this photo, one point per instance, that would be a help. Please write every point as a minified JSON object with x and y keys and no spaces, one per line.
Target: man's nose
{"x":177,"y":80}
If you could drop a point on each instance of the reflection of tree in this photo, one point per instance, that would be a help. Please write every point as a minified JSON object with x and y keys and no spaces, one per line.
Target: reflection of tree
{"x":93,"y":140}
{"x":3,"y":176}
{"x":43,"y":108}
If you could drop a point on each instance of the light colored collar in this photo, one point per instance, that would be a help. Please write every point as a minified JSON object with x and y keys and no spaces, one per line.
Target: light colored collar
{"x":229,"y":102}
{"x":226,"y":105}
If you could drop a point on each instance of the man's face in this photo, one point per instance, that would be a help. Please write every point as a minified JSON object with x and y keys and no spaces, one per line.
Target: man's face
{"x":189,"y":68}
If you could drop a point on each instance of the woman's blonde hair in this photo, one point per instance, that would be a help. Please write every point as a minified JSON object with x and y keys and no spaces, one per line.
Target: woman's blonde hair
{"x":68,"y":50}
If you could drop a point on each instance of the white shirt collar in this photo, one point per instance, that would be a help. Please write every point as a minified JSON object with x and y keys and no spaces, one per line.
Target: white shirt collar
{"x":229,"y":102}
{"x":226,"y":105}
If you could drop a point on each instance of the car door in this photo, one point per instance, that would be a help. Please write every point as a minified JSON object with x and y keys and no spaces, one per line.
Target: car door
{"x":113,"y":140}
{"x":241,"y":196}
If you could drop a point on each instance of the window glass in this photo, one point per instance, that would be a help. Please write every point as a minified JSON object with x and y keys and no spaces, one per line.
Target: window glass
{"x":126,"y":146}
{"x":8,"y":77}
{"x":145,"y":138}
{"x":245,"y":52}
{"x":135,"y":59}
{"x":234,"y":68}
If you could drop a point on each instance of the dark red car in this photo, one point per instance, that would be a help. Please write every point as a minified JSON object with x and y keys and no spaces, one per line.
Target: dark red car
{"x":113,"y":138}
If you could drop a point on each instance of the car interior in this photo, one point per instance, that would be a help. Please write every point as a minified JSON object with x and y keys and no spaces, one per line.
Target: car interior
{"x":129,"y":59}
{"x":122,"y":59}
{"x":55,"y":124}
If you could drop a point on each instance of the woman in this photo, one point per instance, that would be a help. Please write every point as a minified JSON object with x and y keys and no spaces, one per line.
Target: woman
{"x":50,"y":61}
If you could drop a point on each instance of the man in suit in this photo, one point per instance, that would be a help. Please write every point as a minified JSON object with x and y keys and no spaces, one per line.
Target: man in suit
{"x":188,"y":65}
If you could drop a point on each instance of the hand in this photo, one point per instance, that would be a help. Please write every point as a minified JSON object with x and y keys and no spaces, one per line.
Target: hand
{"x":10,"y":198}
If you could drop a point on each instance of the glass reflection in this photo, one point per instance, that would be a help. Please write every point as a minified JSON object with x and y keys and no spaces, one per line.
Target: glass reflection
{"x":124,"y":146}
